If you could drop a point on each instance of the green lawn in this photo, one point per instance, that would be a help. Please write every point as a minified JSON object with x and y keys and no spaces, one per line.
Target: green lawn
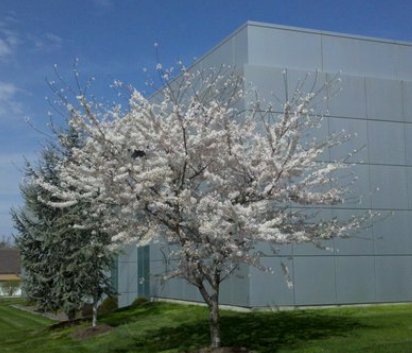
{"x":161,"y":327}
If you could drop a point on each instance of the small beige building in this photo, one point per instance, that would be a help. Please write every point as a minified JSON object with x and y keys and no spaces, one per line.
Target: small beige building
{"x":10,"y":270}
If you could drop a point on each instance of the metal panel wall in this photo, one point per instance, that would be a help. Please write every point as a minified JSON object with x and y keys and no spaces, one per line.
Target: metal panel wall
{"x":285,"y":48}
{"x":127,"y":275}
{"x":374,"y":104}
{"x":359,"y":57}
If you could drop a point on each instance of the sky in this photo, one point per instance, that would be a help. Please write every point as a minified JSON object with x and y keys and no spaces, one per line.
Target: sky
{"x":114,"y":39}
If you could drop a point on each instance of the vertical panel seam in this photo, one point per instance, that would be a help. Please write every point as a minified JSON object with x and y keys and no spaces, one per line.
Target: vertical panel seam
{"x":370,"y":185}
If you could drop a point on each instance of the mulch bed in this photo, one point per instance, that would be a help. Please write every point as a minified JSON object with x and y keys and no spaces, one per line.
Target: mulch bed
{"x":65,"y":324}
{"x":223,"y":350}
{"x":83,"y":333}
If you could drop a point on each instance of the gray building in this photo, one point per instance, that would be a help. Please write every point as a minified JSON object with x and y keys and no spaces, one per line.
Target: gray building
{"x":375,"y":103}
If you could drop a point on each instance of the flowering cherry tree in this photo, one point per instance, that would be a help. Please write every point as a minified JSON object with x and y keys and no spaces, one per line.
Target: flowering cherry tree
{"x":201,"y":167}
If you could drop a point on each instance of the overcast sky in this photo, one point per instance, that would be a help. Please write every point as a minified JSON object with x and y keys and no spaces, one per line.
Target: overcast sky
{"x":113,"y":39}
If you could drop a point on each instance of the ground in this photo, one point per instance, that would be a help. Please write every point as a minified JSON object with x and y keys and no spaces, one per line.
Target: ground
{"x":171,"y":328}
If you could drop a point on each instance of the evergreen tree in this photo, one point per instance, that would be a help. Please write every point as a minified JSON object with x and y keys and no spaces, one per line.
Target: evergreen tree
{"x":35,"y":225}
{"x":64,"y":265}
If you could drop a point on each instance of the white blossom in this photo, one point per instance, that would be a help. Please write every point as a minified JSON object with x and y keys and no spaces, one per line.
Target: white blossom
{"x":193,"y":168}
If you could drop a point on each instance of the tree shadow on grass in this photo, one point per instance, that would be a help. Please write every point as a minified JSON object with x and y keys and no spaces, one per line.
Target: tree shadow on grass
{"x":127,"y":314}
{"x":267,"y":332}
{"x":260,"y":332}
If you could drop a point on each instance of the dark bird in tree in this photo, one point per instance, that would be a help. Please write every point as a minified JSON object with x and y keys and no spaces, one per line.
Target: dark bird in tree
{"x":138,"y":154}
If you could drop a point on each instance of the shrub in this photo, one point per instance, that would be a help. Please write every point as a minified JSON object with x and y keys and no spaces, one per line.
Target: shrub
{"x":109,"y":305}
{"x":139,"y":301}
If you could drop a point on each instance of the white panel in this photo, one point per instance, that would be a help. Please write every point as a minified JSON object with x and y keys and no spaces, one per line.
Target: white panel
{"x":156,"y":277}
{"x":393,"y":233}
{"x":393,"y":278}
{"x":123,"y":299}
{"x":175,"y":288}
{"x":222,"y":55}
{"x":347,"y":98}
{"x":355,"y":179}
{"x":356,"y":148}
{"x":276,"y":291}
{"x":355,"y":279}
{"x":384,"y":99}
{"x":359,"y":242}
{"x":235,"y":289}
{"x":191,"y":293}
{"x":407,"y":100}
{"x":131,"y":296}
{"x":157,"y":267}
{"x":128,"y":253}
{"x":123,"y":277}
{"x":314,"y":280}
{"x":408,"y":171}
{"x":240,"y":47}
{"x":359,"y":57}
{"x":405,"y":62}
{"x":157,"y":251}
{"x":301,"y":83}
{"x":132,"y":278}
{"x":269,"y":82}
{"x":284,"y":48}
{"x":226,"y":289}
{"x":268,"y":249}
{"x":323,"y":247}
{"x":241,"y":286}
{"x":408,"y":143}
{"x":388,"y":186}
{"x":386,"y":142}
{"x":316,"y":135}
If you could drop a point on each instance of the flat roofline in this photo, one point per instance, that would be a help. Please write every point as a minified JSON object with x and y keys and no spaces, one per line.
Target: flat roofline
{"x":294,"y":29}
{"x":325,"y":33}
{"x":220,"y":43}
{"x":297,"y":29}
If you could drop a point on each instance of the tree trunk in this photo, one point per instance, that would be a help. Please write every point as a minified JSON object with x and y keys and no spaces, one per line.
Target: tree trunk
{"x":214,"y":324}
{"x":212,"y":301}
{"x":94,"y":320}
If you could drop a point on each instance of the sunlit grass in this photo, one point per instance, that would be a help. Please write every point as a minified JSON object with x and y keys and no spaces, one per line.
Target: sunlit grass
{"x":163,"y":327}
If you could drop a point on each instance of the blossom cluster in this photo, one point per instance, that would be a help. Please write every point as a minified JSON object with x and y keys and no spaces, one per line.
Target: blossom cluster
{"x":203,"y":168}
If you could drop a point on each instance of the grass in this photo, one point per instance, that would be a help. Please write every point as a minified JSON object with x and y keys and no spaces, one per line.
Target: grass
{"x":171,"y":328}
